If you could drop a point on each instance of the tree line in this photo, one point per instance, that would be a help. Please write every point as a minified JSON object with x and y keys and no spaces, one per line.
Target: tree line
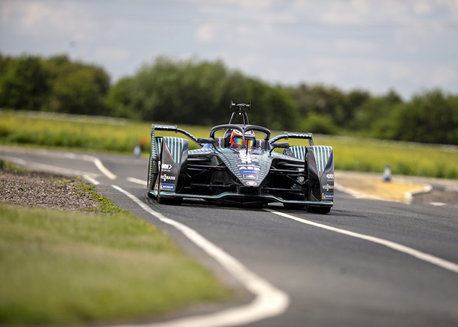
{"x":199,"y":93}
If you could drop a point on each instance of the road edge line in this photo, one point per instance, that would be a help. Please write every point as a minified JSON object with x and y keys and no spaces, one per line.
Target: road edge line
{"x":99,"y":164}
{"x":442,"y":263}
{"x":136,"y":181}
{"x":268,"y":302}
{"x":71,"y":155}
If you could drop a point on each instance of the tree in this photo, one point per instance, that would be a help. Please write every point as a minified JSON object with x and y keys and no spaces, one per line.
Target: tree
{"x":430,"y":118}
{"x":76,"y":87}
{"x":328,"y":101}
{"x":374,"y":115}
{"x":199,"y":93}
{"x":25,"y":84}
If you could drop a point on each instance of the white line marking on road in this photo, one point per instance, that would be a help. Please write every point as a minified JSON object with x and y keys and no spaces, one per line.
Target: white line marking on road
{"x":136,"y":181}
{"x":356,"y":194}
{"x":98,"y":163}
{"x":409,"y":195}
{"x":15,"y":160}
{"x":437,"y":204}
{"x":392,"y":245}
{"x":68,"y":155}
{"x":48,"y":168}
{"x":269,"y":301}
{"x":91,"y":180}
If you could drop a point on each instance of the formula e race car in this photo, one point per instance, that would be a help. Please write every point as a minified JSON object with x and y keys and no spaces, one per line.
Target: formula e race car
{"x":240,"y":168}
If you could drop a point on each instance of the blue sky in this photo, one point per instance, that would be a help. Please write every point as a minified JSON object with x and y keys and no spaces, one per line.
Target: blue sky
{"x":409,"y":46}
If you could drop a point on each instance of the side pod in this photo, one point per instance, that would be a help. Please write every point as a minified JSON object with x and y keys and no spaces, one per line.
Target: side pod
{"x":320,"y":164}
{"x":168,"y":155}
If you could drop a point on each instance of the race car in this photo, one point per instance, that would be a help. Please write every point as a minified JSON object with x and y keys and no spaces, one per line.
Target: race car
{"x":239,"y":167}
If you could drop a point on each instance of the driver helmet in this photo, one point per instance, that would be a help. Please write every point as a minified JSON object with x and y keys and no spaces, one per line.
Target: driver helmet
{"x":237,"y":138}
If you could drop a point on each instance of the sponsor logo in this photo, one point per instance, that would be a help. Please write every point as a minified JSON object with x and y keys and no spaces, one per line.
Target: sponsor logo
{"x":167,"y":178}
{"x":250,"y":176}
{"x":251,"y":183}
{"x":166,"y":166}
{"x":168,"y":187}
{"x":328,"y":187}
{"x":244,"y":158}
{"x":249,"y":167}
{"x":248,"y":171}
{"x":328,"y":195}
{"x":330,"y":176}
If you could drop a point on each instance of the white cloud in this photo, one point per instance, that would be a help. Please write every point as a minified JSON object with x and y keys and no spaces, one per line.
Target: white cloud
{"x":70,"y":19}
{"x":443,"y":77}
{"x":110,"y":54}
{"x":355,"y":45}
{"x":367,"y":43}
{"x":346,"y":12}
{"x":205,"y":32}
{"x":422,"y":7}
{"x":6,"y":10}
{"x":400,"y":72}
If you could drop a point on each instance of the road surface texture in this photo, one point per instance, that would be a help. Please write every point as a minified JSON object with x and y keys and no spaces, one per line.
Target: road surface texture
{"x":367,"y":263}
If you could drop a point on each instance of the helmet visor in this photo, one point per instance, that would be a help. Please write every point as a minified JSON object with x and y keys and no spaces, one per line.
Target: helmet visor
{"x":238,"y":140}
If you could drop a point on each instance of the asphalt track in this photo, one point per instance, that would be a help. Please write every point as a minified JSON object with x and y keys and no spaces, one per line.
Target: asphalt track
{"x":349,"y":268}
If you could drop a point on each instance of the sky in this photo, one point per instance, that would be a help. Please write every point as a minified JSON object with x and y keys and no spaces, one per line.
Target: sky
{"x":409,"y":46}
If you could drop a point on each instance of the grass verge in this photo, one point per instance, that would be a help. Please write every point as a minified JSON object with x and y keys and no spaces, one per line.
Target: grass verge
{"x":350,"y":153}
{"x":59,"y":267}
{"x":11,"y":166}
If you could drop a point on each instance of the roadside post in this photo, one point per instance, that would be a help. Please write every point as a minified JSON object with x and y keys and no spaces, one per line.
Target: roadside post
{"x":387,"y":174}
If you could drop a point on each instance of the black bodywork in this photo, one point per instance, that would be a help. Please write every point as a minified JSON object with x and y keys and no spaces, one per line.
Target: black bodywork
{"x":301,"y":176}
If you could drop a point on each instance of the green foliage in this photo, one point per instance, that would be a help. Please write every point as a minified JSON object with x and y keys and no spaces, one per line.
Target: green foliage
{"x":105,"y":204}
{"x":76,"y":88}
{"x":373,"y":115}
{"x":121,"y":100}
{"x":24,"y":83}
{"x":83,"y":132}
{"x":351,"y":153}
{"x":316,"y":123}
{"x":329,"y":101}
{"x":361,"y":154}
{"x":7,"y":165}
{"x":198,"y":93}
{"x":54,"y":84}
{"x":429,"y":118}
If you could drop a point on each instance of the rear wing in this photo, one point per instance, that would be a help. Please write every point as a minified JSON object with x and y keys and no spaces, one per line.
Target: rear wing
{"x":307,"y":136}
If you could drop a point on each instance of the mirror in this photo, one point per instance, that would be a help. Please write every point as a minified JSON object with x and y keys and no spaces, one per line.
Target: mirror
{"x":280,"y":146}
{"x":206,"y":140}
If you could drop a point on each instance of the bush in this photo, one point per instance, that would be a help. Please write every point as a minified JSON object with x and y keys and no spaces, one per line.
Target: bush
{"x":315,"y":123}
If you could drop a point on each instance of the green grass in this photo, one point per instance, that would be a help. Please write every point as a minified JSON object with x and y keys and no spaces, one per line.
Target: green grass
{"x":98,"y":134}
{"x":359,"y":154}
{"x":105,"y":204}
{"x":11,"y":166}
{"x":59,"y":267}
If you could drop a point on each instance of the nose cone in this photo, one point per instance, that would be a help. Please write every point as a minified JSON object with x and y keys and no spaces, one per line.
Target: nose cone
{"x":251,"y":183}
{"x":250,"y":174}
{"x":249,"y":167}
